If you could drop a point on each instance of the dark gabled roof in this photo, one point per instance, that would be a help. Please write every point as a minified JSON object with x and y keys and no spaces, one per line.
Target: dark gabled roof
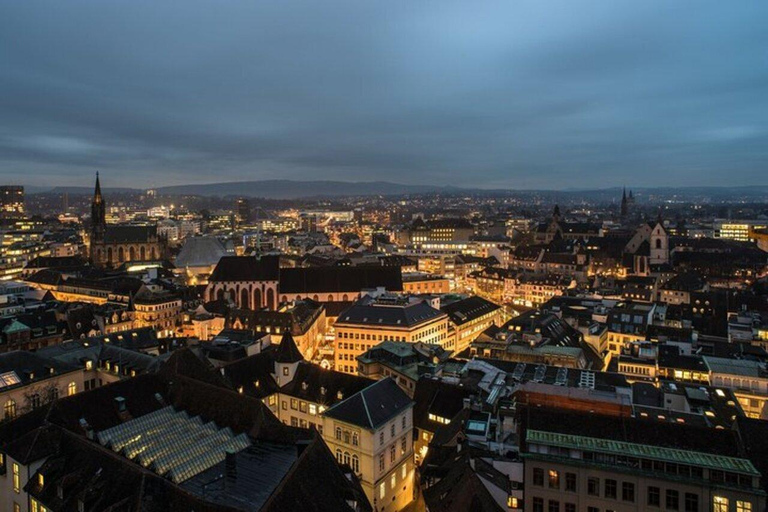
{"x":301,"y":489}
{"x":30,"y":367}
{"x":439,"y":398}
{"x":45,"y":276}
{"x":466,"y":310}
{"x":373,"y":406}
{"x":461,"y":489}
{"x":315,"y":384}
{"x":396,"y":315}
{"x":339,"y":279}
{"x":128,"y":234}
{"x":247,"y":268}
{"x":57,"y":262}
{"x":288,"y":352}
{"x":253,"y":370}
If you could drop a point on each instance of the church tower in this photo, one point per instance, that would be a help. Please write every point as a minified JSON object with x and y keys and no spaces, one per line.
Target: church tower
{"x":98,"y":214}
{"x":624,"y":205}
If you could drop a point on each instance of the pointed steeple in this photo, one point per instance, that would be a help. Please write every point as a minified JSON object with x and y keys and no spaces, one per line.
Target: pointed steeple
{"x":98,"y":213}
{"x":288,"y":352}
{"x":97,"y":191}
{"x":624,"y":206}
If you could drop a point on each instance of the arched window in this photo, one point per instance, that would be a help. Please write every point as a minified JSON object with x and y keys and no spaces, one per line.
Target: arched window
{"x":347,"y":459}
{"x":10,"y":409}
{"x":71,"y":388}
{"x":109,"y":254}
{"x":132,"y":254}
{"x":345,"y":297}
{"x":143,"y":253}
{"x":220,"y":294}
{"x":330,"y":298}
{"x":256,"y":298}
{"x":271,"y":299}
{"x":120,"y":254}
{"x":355,"y":463}
{"x":338,"y":456}
{"x":244,"y":303}
{"x":658,"y":243}
{"x":154,"y":254}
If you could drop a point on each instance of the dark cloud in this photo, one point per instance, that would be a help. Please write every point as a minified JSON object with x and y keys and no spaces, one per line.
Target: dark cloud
{"x":493,"y":94}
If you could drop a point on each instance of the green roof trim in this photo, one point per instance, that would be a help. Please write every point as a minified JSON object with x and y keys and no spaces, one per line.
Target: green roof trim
{"x":645,"y":451}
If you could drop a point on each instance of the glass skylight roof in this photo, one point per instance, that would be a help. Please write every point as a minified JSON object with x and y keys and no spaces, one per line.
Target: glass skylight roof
{"x":172,"y":443}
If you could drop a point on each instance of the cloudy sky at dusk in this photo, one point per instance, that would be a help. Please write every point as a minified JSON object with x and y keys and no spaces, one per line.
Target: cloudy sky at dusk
{"x":512,"y":94}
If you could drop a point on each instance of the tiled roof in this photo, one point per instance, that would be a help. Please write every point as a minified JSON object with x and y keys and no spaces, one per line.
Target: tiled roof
{"x":373,"y":406}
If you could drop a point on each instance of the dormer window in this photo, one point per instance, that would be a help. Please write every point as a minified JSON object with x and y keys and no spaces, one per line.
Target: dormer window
{"x":285,"y":371}
{"x":340,"y":395}
{"x":256,"y":383}
{"x":304,"y":386}
{"x":89,"y":365}
{"x":40,"y":480}
{"x":322,"y":390}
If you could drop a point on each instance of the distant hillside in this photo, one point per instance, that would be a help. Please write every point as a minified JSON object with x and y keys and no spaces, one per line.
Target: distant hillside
{"x":289,"y":189}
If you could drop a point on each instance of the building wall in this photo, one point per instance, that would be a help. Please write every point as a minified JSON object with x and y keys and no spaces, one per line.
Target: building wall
{"x":352,"y":340}
{"x":581,"y":499}
{"x":388,"y":481}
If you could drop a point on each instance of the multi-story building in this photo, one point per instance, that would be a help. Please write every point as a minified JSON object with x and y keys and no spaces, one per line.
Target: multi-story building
{"x":404,"y":362}
{"x":741,"y":230}
{"x":380,"y":419}
{"x":11,"y":202}
{"x":571,"y":472}
{"x":161,"y":311}
{"x":470,"y":317}
{"x":375,"y":319}
{"x":304,"y":319}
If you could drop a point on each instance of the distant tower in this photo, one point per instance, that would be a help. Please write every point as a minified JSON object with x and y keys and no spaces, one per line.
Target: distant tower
{"x":624,"y":206}
{"x":631,"y":198}
{"x":242,"y":211}
{"x":556,"y":213}
{"x":98,"y":214}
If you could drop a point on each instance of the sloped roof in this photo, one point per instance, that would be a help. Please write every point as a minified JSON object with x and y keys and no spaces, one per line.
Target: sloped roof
{"x":128,"y":234}
{"x":373,"y":406}
{"x":200,"y":251}
{"x":468,"y":309}
{"x":339,"y":279}
{"x":247,"y":268}
{"x":288,"y":352}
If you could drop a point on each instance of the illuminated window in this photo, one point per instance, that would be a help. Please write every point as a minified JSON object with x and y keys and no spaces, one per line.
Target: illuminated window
{"x":382,"y":491}
{"x":720,"y":504}
{"x":16,"y":478}
{"x":72,"y":388}
{"x":743,"y":506}
{"x":554,"y":479}
{"x":40,"y":480}
{"x":10,"y":409}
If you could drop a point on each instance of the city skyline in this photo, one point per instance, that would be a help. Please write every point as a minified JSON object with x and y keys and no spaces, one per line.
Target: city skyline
{"x":497,"y":96}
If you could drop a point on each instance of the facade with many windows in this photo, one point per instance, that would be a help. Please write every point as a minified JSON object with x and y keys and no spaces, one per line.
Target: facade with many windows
{"x":569,"y":473}
{"x":372,"y":432}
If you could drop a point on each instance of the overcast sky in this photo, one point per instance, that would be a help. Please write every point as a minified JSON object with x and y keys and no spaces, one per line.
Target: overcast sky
{"x":512,"y":94}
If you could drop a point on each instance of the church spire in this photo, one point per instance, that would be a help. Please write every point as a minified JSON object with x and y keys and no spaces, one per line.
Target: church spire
{"x":98,"y":213}
{"x":97,"y":191}
{"x":624,"y":206}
